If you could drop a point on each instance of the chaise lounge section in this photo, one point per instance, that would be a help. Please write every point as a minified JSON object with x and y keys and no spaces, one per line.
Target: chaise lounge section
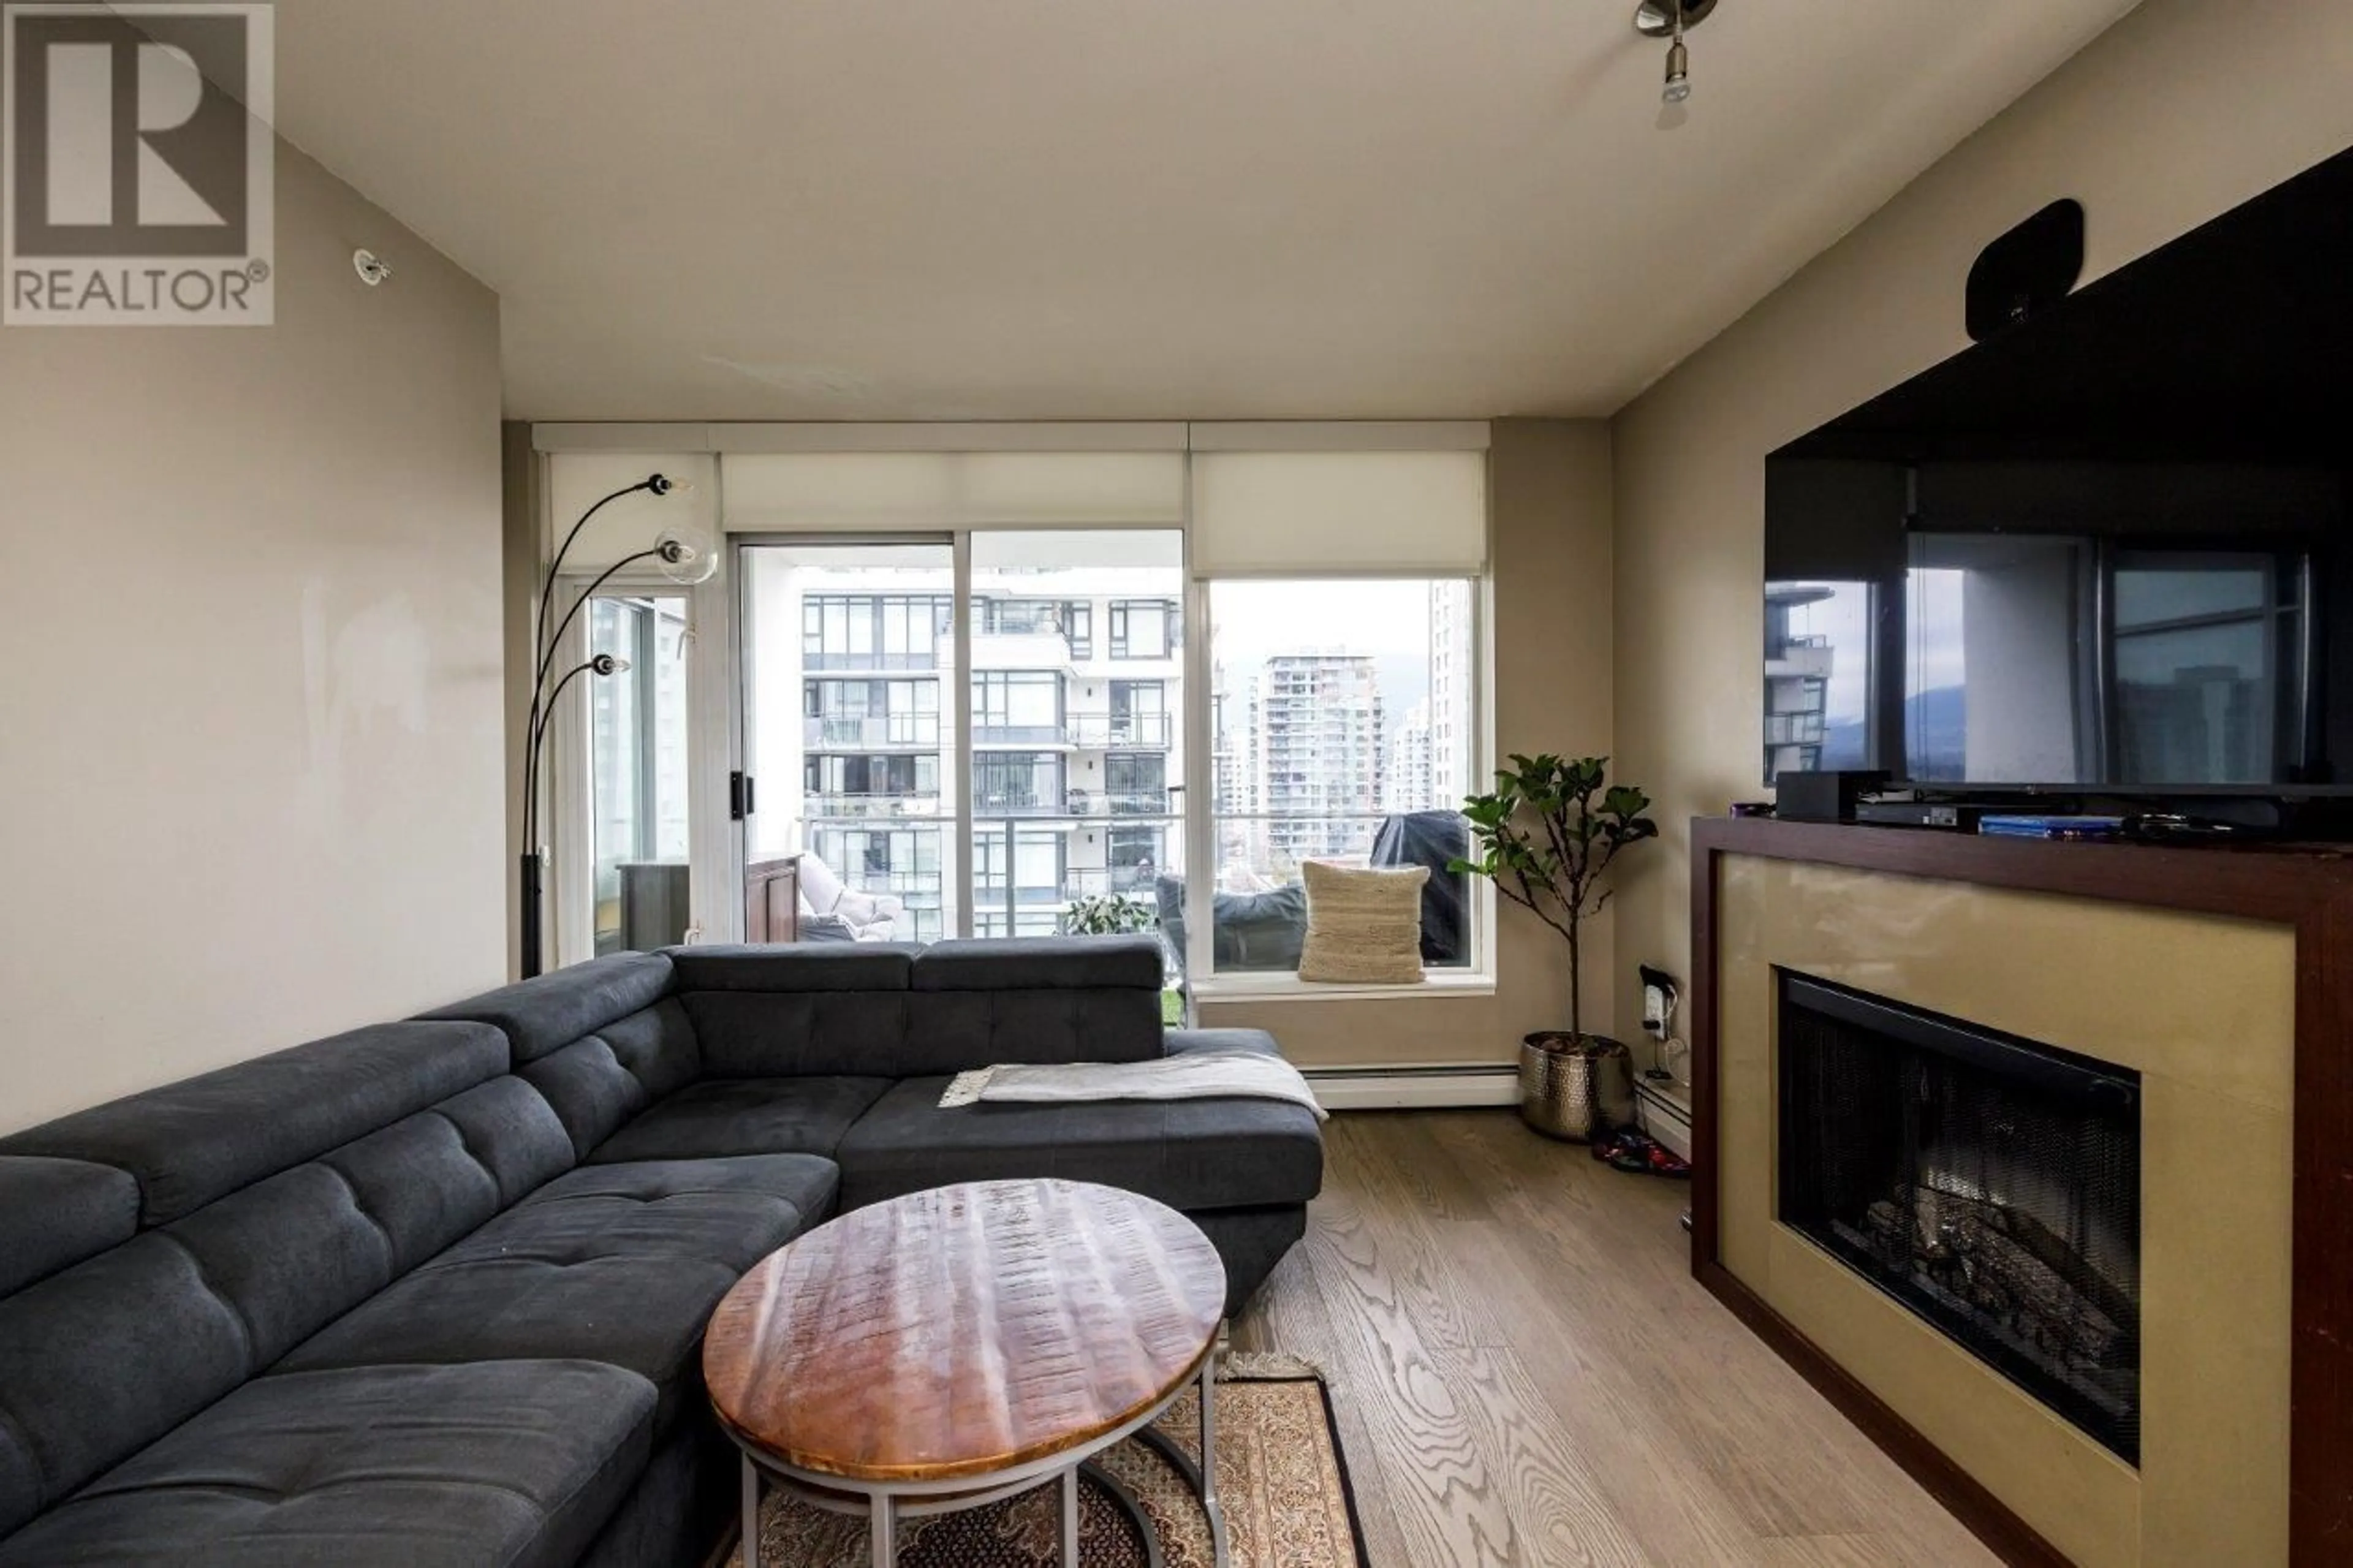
{"x":433,"y":1292}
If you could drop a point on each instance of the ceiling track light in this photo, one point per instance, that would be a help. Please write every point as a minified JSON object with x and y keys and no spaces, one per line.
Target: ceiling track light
{"x":1670,"y":19}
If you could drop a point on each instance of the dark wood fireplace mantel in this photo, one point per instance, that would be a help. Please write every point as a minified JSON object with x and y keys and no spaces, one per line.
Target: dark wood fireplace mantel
{"x":2309,"y":889}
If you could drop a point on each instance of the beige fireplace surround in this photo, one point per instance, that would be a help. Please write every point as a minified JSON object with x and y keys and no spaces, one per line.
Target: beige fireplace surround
{"x":2203,"y":1007}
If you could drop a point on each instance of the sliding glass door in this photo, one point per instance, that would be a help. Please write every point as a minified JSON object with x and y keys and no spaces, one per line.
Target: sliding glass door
{"x":848,"y":741}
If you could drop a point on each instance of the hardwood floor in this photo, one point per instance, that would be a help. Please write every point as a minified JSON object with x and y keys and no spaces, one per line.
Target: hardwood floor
{"x":1526,"y":1374}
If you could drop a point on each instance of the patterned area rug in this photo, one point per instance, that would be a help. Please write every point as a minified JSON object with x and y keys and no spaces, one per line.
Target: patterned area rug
{"x":1280,"y":1477}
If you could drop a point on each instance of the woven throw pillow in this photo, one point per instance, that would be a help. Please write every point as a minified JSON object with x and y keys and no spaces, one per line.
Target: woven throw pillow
{"x":1362,"y":926}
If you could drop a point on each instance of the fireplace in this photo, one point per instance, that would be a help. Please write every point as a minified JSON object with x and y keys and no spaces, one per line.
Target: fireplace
{"x":1989,"y":1184}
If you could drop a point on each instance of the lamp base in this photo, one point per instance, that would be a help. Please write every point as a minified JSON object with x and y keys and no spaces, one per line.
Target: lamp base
{"x":532,"y":963}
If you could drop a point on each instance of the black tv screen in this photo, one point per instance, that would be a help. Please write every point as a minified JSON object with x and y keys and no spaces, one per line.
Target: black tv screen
{"x":2104,"y":551}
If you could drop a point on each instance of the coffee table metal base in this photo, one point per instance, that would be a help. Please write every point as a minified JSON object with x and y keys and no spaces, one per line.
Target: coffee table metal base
{"x":886,"y":1503}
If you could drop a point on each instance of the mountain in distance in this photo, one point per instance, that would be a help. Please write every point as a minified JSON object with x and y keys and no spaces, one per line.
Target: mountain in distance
{"x":1937,"y":736}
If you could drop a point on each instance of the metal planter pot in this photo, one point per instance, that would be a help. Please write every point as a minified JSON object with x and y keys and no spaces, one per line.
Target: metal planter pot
{"x":1574,"y":1089}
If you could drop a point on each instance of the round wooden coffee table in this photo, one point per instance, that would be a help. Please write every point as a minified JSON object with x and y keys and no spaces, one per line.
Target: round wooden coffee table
{"x":955,"y":1347}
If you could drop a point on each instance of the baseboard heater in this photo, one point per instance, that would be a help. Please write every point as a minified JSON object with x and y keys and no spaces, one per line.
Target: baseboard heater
{"x":1413,"y":1088}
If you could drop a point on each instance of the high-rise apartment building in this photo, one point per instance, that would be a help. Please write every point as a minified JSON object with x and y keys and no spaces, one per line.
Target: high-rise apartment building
{"x":1073,"y":707}
{"x":1450,"y":692}
{"x":1320,"y":754}
{"x":1410,"y":782}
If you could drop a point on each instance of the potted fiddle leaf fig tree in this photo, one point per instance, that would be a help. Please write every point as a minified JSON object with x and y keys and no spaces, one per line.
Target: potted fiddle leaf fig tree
{"x":1547,"y":837}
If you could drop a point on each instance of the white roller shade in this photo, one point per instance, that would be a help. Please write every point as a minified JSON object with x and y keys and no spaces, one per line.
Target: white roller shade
{"x":1333,"y":513}
{"x":835,"y":493}
{"x":576,"y":480}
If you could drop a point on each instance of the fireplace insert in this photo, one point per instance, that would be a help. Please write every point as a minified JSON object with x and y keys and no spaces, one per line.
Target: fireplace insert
{"x":1989,"y":1184}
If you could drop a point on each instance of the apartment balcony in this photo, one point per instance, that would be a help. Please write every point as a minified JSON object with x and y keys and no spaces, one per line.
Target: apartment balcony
{"x":1794,"y":728}
{"x":1021,"y":650}
{"x":1123,"y":731}
{"x":921,"y":660}
{"x":987,"y":808}
{"x":1026,"y":737}
{"x":1080,"y":732}
{"x":867,"y":807}
{"x":873,"y":732}
{"x":1803,"y":658}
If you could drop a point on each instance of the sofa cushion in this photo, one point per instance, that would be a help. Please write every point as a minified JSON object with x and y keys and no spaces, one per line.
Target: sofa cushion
{"x":494,"y":1462}
{"x":800,"y":1034}
{"x":1041,"y":964}
{"x":547,"y":1014}
{"x":745,"y":1116}
{"x":621,"y":1264}
{"x":190,"y":1142}
{"x":951,"y":1031}
{"x":1189,"y":1154}
{"x":598,"y":1083}
{"x":1364,"y":926}
{"x":869,"y":966}
{"x":55,"y":1213}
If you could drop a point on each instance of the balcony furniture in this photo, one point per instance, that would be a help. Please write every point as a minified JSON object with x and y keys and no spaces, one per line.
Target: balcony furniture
{"x":1265,"y":931}
{"x":1247,"y":931}
{"x":771,"y":901}
{"x":868,"y":917}
{"x":1436,"y":839}
{"x":835,"y":1371}
{"x":436,"y":1289}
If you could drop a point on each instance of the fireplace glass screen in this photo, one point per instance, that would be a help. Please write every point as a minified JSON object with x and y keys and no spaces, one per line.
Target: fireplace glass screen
{"x":1989,"y":1184}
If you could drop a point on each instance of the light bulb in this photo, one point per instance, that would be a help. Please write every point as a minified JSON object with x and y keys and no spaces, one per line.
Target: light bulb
{"x":684,"y":564}
{"x":607,"y":664}
{"x":1678,"y":88}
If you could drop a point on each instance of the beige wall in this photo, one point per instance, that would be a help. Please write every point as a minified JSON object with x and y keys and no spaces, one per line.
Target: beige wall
{"x":1550,"y":499}
{"x":249,"y":781}
{"x":2181,"y":111}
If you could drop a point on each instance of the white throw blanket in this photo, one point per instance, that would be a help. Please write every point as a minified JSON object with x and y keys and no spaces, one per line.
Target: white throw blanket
{"x":1199,"y":1075}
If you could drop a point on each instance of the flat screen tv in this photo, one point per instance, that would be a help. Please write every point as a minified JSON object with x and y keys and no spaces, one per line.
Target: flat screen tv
{"x":2105,"y":551}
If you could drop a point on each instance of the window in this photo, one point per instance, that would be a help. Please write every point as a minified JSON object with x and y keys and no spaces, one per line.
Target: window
{"x":1060,"y":750}
{"x":873,"y":785}
{"x":637,"y":774}
{"x":1139,"y":714}
{"x":1343,"y":710}
{"x":1144,"y":628}
{"x":1136,"y":856}
{"x":1136,"y":783}
{"x":874,"y":631}
{"x":2209,"y":656}
{"x":1013,"y":866}
{"x":1015,"y":708}
{"x":1025,"y":783}
{"x":1818,"y":676}
{"x":873,"y":713}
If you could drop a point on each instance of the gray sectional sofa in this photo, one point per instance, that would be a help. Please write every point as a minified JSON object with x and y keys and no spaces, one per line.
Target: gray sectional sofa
{"x":434,"y":1291}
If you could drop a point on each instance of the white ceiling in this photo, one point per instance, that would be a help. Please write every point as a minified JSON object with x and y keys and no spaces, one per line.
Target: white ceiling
{"x":972,"y":209}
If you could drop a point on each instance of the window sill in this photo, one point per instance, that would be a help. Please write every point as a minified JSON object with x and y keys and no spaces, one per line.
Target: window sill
{"x":1220,"y":989}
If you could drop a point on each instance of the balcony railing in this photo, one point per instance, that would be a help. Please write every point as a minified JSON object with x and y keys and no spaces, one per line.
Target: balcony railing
{"x":920,"y":659}
{"x":1139,"y":731}
{"x":1793,"y":729}
{"x":1020,"y":806}
{"x":862,"y":807}
{"x":920,"y":730}
{"x":985,"y":733}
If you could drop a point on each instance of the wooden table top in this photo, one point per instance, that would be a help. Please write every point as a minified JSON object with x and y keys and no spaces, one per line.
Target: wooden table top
{"x":964,"y":1331}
